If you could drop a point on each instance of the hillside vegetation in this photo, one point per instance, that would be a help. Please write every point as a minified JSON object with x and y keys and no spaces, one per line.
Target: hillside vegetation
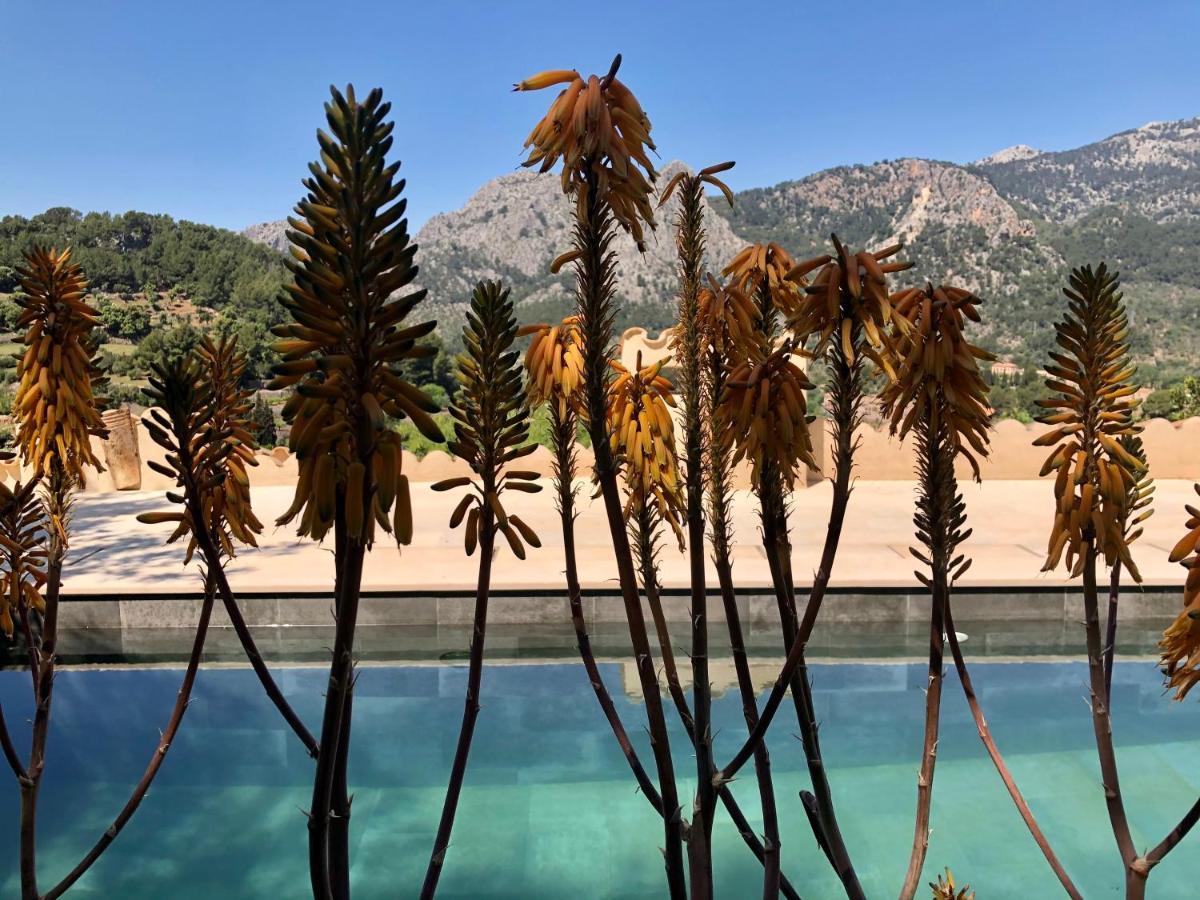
{"x":156,"y":281}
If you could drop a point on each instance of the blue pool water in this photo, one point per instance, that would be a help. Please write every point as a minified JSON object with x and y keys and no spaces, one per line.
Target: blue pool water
{"x":550,"y":809}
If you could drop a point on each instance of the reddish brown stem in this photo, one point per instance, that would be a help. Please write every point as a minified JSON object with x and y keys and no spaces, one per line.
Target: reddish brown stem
{"x":339,"y":803}
{"x":654,"y":601}
{"x":1178,"y":833}
{"x":844,"y":407}
{"x":458,"y":771}
{"x":719,"y":514}
{"x":1010,"y":784}
{"x":933,"y":705}
{"x":31,"y":784}
{"x":797,"y":647}
{"x":659,"y":742}
{"x":1101,"y":718}
{"x":762,"y":760}
{"x":212,"y":559}
{"x":10,"y":751}
{"x":1110,"y":630}
{"x":583,"y":640}
{"x":182,"y":700}
{"x":35,"y":664}
{"x":690,"y":242}
{"x":595,"y":276}
{"x":584,"y":643}
{"x":762,"y":852}
{"x":326,"y":869}
{"x":340,"y":809}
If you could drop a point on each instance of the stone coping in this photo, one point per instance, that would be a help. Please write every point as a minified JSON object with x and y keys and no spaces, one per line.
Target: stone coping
{"x":757,"y":610}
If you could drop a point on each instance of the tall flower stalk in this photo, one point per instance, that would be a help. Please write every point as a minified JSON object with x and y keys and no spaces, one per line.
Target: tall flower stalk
{"x":725,"y":318}
{"x":1091,"y":411}
{"x":939,"y":396}
{"x":24,"y":526}
{"x":57,"y":416}
{"x":845,"y":312}
{"x":691,"y":245}
{"x":342,"y":353}
{"x":598,"y":130}
{"x":554,"y":363}
{"x":491,"y":431}
{"x":199,"y":416}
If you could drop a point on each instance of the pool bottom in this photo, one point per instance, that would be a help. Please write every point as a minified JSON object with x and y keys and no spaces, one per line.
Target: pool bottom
{"x":550,"y":810}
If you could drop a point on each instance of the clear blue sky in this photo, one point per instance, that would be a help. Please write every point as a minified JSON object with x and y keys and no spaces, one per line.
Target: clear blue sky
{"x":207,"y":110}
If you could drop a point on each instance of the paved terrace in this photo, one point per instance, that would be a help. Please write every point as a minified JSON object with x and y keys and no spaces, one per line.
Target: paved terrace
{"x":114,"y":554}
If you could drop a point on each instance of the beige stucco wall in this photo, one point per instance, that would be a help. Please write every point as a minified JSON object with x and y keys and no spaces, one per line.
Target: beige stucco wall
{"x":1173,"y":449}
{"x":638,"y":340}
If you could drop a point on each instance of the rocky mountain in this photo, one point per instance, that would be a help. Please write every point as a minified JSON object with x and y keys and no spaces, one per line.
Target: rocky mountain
{"x":1153,"y":171}
{"x":273,"y":234}
{"x":514,"y":226}
{"x":1008,"y":226}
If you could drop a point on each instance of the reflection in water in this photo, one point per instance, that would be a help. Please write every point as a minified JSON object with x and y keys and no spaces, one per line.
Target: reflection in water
{"x":550,"y":810}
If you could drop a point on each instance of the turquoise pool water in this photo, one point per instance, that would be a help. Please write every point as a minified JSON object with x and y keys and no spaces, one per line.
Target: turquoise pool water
{"x":550,"y":810}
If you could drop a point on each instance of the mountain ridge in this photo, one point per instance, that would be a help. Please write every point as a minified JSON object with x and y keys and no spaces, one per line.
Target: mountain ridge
{"x":1007,"y":226}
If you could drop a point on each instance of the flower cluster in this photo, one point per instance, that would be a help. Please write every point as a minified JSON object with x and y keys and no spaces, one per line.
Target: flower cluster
{"x":344,"y":350}
{"x":937,"y":379}
{"x":554,"y":363}
{"x":642,"y":435}
{"x":849,"y":294}
{"x":764,"y":407}
{"x":54,"y":403}
{"x":1091,"y":413}
{"x":598,"y":129}
{"x":1181,"y":642}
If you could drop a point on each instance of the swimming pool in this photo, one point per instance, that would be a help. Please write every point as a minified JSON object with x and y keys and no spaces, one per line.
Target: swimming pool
{"x":550,"y":809}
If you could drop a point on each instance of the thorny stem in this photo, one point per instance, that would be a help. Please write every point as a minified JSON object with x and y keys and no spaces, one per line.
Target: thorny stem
{"x":44,"y":691}
{"x":340,"y":808}
{"x":1010,"y":784}
{"x":326,"y":869}
{"x":458,"y":771}
{"x":182,"y":700}
{"x":1177,"y":834}
{"x":10,"y":751}
{"x":1110,"y":630}
{"x":847,"y":392}
{"x":691,"y":241}
{"x":563,"y":430}
{"x":339,"y":800}
{"x":719,"y":501}
{"x":1101,"y":719}
{"x":937,"y":523}
{"x":595,"y":274}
